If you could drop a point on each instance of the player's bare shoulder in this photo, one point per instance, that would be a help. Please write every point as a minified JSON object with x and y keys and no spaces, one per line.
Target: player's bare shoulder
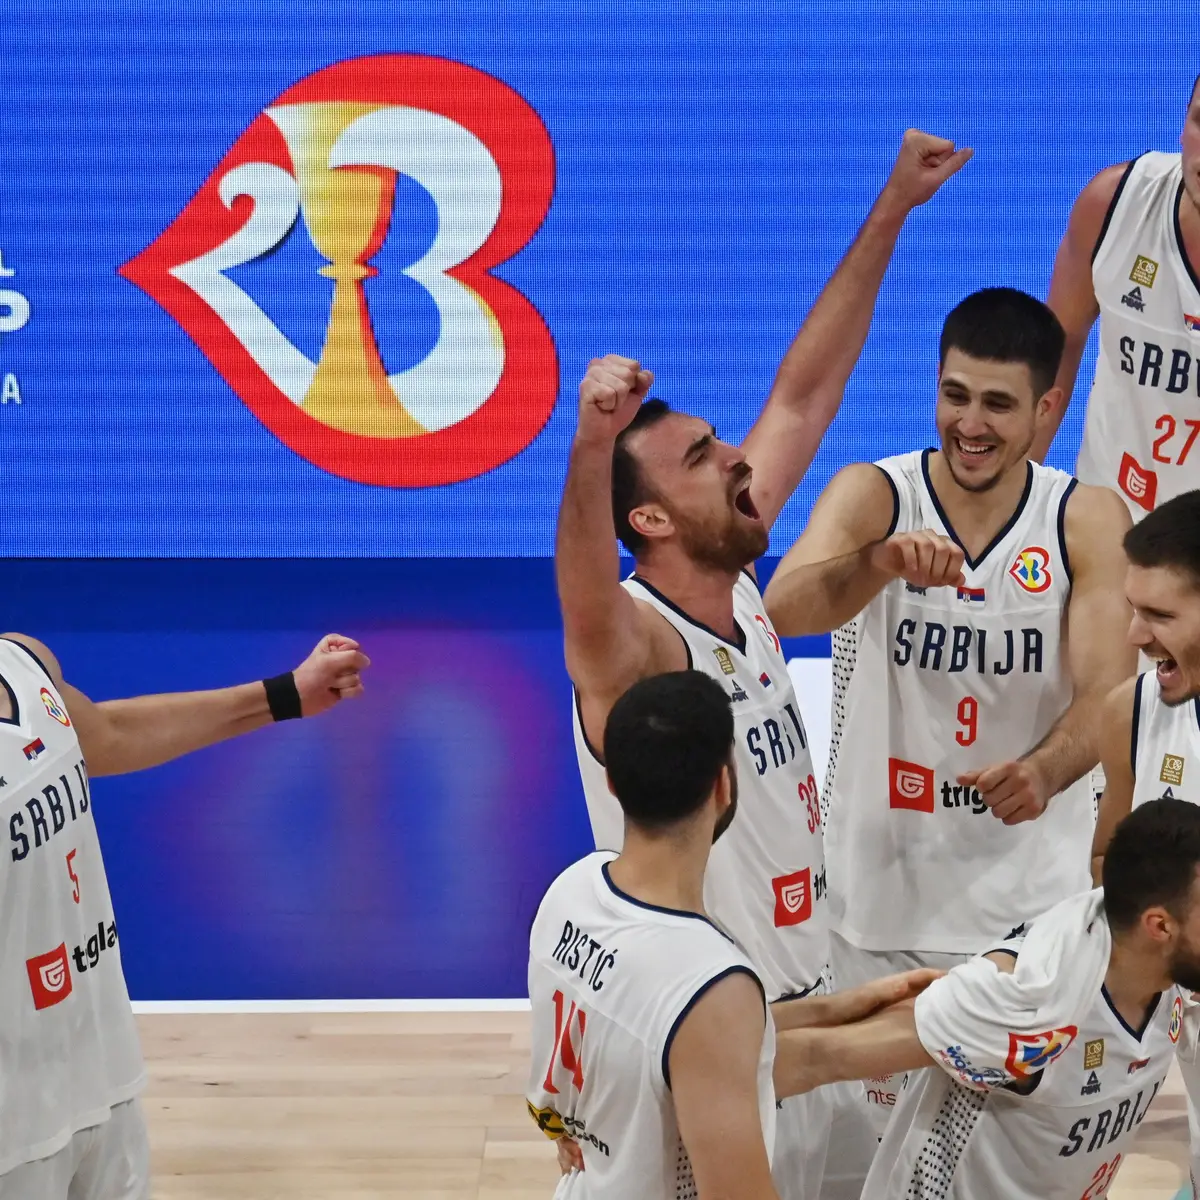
{"x":1092,"y":206}
{"x":1094,"y":518}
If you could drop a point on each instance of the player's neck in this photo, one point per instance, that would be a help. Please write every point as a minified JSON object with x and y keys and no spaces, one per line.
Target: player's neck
{"x":702,"y":593}
{"x":1136,"y":974}
{"x":667,"y":872}
{"x":977,"y":517}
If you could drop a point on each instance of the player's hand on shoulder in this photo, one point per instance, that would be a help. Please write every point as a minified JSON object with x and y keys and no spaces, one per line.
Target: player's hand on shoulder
{"x":330,"y":674}
{"x":922,"y":557}
{"x":922,"y":165}
{"x":610,"y":395}
{"x":1014,"y":791}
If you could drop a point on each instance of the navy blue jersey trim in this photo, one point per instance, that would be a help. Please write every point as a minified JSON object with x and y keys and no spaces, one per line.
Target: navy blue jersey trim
{"x":1151,"y":1009}
{"x":670,"y":912}
{"x":696,"y":998}
{"x":1183,"y":254}
{"x":1112,"y":207}
{"x":1062,"y":530}
{"x":973,"y":563}
{"x":740,"y":647}
{"x":1137,"y":716}
{"x":22,"y":646}
{"x":582,"y":730}
{"x":895,"y":502}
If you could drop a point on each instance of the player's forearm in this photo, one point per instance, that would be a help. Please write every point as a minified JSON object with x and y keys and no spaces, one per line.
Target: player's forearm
{"x":1071,"y":748}
{"x":882,"y":1044}
{"x":819,"y":362}
{"x":820,"y":597}
{"x":148,"y":730}
{"x":587,"y":563}
{"x":1068,"y":373}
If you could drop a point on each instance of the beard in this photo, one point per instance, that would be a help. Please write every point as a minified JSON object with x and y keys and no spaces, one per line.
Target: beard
{"x":728,"y":548}
{"x":985,"y":485}
{"x":726,"y":818}
{"x":1184,"y":969}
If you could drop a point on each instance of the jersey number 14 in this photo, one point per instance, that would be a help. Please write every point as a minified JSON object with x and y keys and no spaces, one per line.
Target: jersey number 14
{"x":568,"y":1048}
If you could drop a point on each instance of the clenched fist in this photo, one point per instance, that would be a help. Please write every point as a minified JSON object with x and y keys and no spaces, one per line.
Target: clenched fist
{"x":610,"y":395}
{"x":923,"y":558}
{"x":923,"y":164}
{"x":332,"y":672}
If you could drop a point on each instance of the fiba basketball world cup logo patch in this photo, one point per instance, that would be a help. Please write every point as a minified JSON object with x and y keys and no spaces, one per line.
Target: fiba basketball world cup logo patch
{"x":336,"y":269}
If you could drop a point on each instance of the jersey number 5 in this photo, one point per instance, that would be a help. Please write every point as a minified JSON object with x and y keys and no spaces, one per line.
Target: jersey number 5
{"x":567,"y":1050}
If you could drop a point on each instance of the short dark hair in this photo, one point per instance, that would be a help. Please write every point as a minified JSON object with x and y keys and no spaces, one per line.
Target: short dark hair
{"x":1169,"y":536}
{"x":665,"y":743}
{"x":1004,"y":324}
{"x":628,"y":487}
{"x":1152,"y":860}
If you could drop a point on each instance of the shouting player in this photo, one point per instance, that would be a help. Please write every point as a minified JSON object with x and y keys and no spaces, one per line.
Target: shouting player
{"x":653,"y":1050}
{"x":979,"y":625}
{"x":695,"y":512}
{"x":1131,"y":256}
{"x":1151,"y":732}
{"x":70,"y":1066}
{"x":1047,"y":1052}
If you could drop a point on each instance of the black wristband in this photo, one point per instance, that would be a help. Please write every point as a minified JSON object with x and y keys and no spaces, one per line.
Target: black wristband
{"x":283,"y":699}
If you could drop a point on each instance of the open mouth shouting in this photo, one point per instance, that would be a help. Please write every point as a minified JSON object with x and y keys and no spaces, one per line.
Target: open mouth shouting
{"x":743,"y":501}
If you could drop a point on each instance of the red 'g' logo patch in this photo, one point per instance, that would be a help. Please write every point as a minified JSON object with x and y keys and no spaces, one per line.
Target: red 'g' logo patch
{"x":321,"y":163}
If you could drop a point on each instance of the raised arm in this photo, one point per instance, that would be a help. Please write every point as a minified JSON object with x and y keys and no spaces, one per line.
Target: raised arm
{"x":1099,"y":657}
{"x":119,"y":736}
{"x":812,"y":377}
{"x":1072,"y":295}
{"x":611,"y":639}
{"x":713,"y":1063}
{"x":1117,"y":753}
{"x":845,"y":556}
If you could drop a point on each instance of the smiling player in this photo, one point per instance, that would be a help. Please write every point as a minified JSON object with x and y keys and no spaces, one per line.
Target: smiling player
{"x":964,"y":717}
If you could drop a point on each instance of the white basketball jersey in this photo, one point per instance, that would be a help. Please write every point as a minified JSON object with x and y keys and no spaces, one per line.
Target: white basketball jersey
{"x":69,"y":1047}
{"x":1063,"y":1140}
{"x":929,"y":684}
{"x":1165,"y":745}
{"x":610,"y":981}
{"x":1143,"y":413}
{"x":766,"y":877}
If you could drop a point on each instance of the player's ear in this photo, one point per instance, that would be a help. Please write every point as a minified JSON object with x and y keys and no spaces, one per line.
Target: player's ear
{"x":1049,"y":403}
{"x":651,"y":520}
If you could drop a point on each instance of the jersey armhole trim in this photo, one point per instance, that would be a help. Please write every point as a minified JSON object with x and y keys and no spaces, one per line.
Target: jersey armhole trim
{"x":582,"y":729}
{"x":1137,"y":716}
{"x":895,"y":502}
{"x":1112,"y":206}
{"x":1062,"y":530}
{"x":697,"y":996}
{"x":22,"y":646}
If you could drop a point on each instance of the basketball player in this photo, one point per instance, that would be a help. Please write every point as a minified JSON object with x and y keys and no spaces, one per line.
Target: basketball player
{"x":695,"y":513}
{"x":70,"y":1066}
{"x":1151,"y":729}
{"x":978,"y":625}
{"x":1131,"y":255}
{"x":652,"y":1047}
{"x":1048,"y":1050}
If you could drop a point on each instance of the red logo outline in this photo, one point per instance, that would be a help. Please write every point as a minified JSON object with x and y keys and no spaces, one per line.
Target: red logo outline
{"x":1033,"y":559}
{"x":1145,"y":490}
{"x":49,"y":977}
{"x":515,"y":413}
{"x":902,"y":778}
{"x":793,"y":897}
{"x":1045,"y":1047}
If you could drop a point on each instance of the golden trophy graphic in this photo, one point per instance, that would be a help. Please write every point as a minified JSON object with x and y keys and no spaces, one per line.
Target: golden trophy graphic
{"x":347,"y":211}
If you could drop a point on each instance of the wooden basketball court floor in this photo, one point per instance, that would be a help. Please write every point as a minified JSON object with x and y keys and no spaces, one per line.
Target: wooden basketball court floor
{"x":409,"y":1105}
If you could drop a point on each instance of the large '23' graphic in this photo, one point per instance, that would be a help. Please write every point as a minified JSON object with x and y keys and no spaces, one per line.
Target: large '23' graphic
{"x":328,"y":152}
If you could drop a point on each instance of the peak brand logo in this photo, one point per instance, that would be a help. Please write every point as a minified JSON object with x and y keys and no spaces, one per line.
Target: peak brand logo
{"x":341,"y":164}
